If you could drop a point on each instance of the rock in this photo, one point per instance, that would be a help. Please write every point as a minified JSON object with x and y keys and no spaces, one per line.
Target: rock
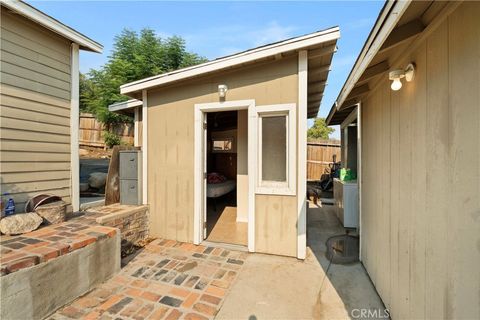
{"x":84,"y":186}
{"x":20,"y":223}
{"x":53,"y":213}
{"x":83,"y":152}
{"x":97,"y":180}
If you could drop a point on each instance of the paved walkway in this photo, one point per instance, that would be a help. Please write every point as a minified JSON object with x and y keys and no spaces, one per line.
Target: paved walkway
{"x":173,"y":280}
{"x":167,"y":280}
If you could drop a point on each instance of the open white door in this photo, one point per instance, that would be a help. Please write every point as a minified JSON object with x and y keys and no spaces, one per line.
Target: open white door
{"x":204,"y":167}
{"x":200,"y":165}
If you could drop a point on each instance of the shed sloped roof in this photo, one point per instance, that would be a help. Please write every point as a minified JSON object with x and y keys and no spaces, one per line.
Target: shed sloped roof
{"x":321,"y":46}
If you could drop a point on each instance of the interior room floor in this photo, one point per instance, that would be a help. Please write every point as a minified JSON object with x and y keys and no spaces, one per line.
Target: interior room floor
{"x":222,"y":225}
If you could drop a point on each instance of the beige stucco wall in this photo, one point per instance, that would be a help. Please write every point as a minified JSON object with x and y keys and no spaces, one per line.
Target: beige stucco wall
{"x":171,"y":151}
{"x":421,"y":178}
{"x":35,"y":110}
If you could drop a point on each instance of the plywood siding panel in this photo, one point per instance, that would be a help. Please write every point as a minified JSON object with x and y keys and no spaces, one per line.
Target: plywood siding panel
{"x":395,"y":211}
{"x":427,"y":197}
{"x":366,"y":182}
{"x":419,"y":171}
{"x":35,"y":110}
{"x":464,"y":87}
{"x":171,"y":139}
{"x":438,"y":174}
{"x":385,"y":213}
{"x":405,"y":106}
{"x":275,"y":225}
{"x":377,"y":216}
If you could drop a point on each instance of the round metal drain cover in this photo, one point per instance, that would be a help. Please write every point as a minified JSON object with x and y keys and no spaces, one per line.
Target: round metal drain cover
{"x":342,"y":249}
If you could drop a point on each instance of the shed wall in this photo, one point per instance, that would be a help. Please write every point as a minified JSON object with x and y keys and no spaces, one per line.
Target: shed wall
{"x":35,"y":110}
{"x":171,"y":151}
{"x":421,"y":178}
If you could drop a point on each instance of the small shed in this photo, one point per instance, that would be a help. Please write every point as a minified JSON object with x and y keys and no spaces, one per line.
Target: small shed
{"x":224,"y":144}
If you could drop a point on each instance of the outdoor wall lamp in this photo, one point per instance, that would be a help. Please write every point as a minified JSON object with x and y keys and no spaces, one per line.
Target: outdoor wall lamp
{"x":222,"y":90}
{"x":396,"y":75}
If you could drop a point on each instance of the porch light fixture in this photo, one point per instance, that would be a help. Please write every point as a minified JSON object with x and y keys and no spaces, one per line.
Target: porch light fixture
{"x":222,"y":90}
{"x":396,"y":75}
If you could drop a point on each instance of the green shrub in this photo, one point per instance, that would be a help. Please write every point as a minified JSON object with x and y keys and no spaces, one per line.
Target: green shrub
{"x":111,"y":139}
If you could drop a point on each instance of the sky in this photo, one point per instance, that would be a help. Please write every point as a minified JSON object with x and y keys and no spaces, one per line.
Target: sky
{"x":214,"y":29}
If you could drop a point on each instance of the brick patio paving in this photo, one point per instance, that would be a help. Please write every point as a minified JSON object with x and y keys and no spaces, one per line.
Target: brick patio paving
{"x":167,"y":280}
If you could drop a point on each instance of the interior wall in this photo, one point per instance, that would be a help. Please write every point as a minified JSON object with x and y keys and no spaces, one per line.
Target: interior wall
{"x":421,"y":178}
{"x":224,"y":163}
{"x":171,"y":150}
{"x":242,"y":166}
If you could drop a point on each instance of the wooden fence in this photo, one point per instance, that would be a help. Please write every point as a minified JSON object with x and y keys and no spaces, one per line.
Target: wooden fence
{"x":91,"y":131}
{"x":320,"y":155}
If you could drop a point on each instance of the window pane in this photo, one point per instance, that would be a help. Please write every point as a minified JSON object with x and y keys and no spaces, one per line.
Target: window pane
{"x":222,"y":145}
{"x":274,"y":148}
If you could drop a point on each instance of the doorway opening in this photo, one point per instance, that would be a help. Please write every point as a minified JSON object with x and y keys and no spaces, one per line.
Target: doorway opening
{"x":226,"y":194}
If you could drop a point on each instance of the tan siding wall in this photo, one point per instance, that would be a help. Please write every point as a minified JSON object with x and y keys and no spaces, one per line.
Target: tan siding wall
{"x":171,"y":147}
{"x":35,"y":110}
{"x":421,"y":203}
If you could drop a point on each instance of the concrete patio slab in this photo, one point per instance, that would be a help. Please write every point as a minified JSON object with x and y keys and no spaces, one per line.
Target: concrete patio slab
{"x":273,"y":287}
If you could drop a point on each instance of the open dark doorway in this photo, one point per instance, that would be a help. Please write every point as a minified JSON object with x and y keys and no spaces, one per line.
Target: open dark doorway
{"x":224,"y":223}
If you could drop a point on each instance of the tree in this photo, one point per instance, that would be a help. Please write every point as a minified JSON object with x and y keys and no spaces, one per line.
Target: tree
{"x":134,"y":56}
{"x":319,"y":130}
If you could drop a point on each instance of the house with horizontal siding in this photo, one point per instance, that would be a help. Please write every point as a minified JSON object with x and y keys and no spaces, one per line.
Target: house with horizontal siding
{"x":39,"y":93}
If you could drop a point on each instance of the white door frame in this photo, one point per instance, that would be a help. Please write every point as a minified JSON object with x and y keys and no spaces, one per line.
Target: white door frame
{"x":200,"y":110}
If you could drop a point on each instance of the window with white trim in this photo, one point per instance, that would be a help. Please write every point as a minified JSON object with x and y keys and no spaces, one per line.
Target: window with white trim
{"x":276,"y":149}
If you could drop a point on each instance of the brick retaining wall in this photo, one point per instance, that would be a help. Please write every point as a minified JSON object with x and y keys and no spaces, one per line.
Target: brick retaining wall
{"x":131,"y":220}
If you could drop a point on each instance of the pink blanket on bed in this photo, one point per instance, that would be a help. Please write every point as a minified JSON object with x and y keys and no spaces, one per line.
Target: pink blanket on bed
{"x":214,"y":177}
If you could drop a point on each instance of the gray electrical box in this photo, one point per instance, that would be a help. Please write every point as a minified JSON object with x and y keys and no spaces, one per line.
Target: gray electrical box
{"x":130,"y":174}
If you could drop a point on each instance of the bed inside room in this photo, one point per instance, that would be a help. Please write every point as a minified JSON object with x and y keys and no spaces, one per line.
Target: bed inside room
{"x":226,"y":160}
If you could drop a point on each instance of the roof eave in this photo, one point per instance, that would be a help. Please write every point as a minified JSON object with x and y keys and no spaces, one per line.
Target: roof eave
{"x":233,"y":60}
{"x":52,"y":24}
{"x":125,"y":105}
{"x":388,"y":18}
